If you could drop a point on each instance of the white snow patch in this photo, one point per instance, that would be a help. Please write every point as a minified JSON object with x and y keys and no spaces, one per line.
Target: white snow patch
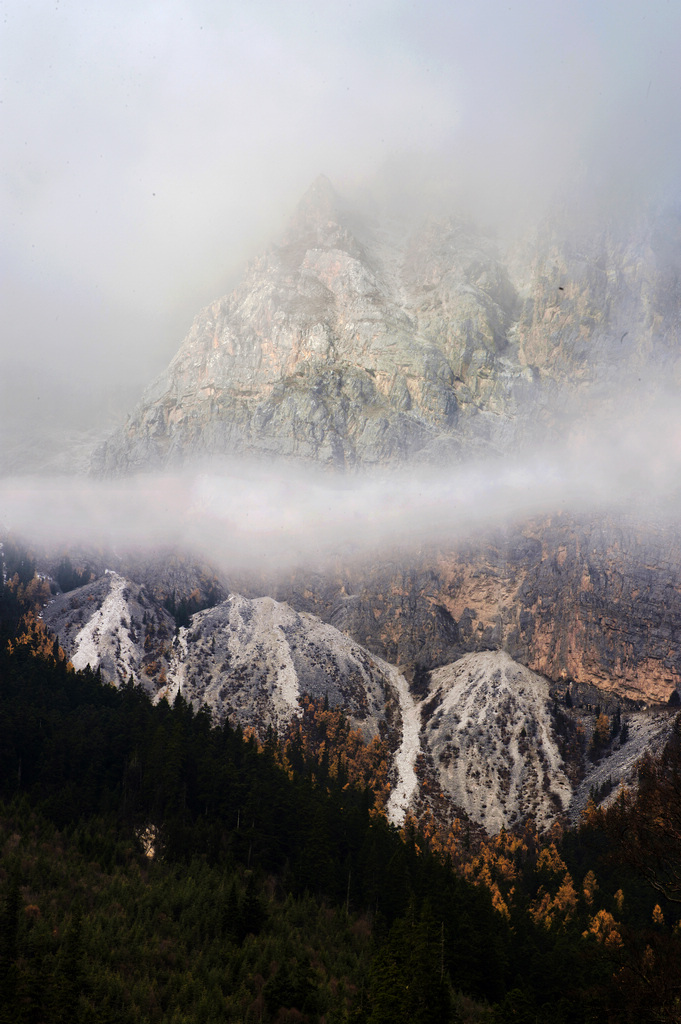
{"x":107,"y":621}
{"x":405,"y":757}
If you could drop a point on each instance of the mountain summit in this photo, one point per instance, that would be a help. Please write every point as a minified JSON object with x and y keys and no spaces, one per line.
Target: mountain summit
{"x":319,"y":209}
{"x":352,"y":343}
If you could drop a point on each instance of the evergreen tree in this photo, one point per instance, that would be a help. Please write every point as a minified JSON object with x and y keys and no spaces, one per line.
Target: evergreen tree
{"x":9,"y":947}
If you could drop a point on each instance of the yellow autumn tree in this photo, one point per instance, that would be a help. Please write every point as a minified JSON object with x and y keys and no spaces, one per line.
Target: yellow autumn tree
{"x":557,"y":909}
{"x":589,"y":887}
{"x":33,"y":636}
{"x":605,"y":929}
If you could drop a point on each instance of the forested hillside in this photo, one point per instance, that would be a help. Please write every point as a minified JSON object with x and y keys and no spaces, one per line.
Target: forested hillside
{"x":156,"y":867}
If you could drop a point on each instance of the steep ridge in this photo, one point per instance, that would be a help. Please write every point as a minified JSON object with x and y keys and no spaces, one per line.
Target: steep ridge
{"x":488,"y":729}
{"x":114,"y":625}
{"x":247,"y":659}
{"x":253,"y":660}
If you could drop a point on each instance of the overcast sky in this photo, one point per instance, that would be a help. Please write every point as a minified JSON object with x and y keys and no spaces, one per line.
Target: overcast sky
{"x":148,"y":148}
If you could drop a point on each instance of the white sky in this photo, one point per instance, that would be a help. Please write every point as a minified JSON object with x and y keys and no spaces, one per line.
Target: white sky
{"x":147,"y":148}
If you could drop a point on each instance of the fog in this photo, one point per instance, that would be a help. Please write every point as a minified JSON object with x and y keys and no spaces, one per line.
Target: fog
{"x":243,"y":516}
{"x":148,"y":148}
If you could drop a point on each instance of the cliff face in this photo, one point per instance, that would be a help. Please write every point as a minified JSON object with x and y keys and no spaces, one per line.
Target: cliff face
{"x":353,"y":343}
{"x":338,"y":346}
{"x":603,"y":299}
{"x":594,"y":601}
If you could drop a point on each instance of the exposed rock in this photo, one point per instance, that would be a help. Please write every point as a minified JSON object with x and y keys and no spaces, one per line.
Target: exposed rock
{"x":353,"y":343}
{"x":595,"y":600}
{"x":253,"y":660}
{"x":476,"y":736}
{"x":115,"y":626}
{"x":246,"y":659}
{"x":647,"y":733}
{"x":488,"y":734}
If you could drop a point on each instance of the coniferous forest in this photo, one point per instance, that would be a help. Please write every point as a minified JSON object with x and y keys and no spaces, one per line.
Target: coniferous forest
{"x":157,"y":867}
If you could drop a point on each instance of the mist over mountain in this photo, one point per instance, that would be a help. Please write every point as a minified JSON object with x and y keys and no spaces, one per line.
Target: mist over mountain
{"x":440,"y":445}
{"x":148,"y":151}
{"x":340,"y":564}
{"x":359,"y":341}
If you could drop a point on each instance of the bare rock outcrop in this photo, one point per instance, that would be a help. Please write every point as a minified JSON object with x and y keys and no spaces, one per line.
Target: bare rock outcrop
{"x":591,"y":600}
{"x":354,"y":342}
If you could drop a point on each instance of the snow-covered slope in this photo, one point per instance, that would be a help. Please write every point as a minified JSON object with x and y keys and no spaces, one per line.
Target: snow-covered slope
{"x":113,"y":624}
{"x":481,"y":741}
{"x":488,"y":736}
{"x":253,"y":659}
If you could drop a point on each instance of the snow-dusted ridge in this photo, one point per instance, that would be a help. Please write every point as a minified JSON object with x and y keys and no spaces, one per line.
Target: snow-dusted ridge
{"x":111,"y":621}
{"x":482,"y":738}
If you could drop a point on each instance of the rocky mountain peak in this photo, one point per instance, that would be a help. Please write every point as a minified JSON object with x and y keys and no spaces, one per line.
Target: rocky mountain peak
{"x":348,"y":345}
{"x":321,"y":221}
{"x":319,"y":206}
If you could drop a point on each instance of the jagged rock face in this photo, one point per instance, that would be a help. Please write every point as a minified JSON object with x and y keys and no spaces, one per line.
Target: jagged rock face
{"x":488,"y":732}
{"x":342,"y":345}
{"x":604,"y":298}
{"x":595,"y":600}
{"x":352,"y":343}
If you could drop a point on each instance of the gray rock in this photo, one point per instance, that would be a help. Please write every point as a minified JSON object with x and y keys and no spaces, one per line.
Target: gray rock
{"x":344,"y":345}
{"x":351,"y":343}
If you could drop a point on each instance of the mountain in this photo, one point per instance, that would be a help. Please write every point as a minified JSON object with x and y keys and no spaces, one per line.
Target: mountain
{"x":497,"y":666}
{"x":483,"y":736}
{"x":360,"y":341}
{"x":246,"y":659}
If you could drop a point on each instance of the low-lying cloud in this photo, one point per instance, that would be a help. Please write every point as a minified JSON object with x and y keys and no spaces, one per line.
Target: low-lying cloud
{"x":241,"y":516}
